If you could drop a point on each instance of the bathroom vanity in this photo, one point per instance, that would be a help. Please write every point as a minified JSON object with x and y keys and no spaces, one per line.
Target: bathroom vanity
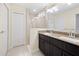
{"x":58,"y":45}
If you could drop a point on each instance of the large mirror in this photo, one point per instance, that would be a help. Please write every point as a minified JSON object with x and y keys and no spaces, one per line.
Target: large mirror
{"x":62,"y":16}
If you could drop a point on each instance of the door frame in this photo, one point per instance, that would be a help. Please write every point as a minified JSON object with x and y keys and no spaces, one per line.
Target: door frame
{"x":7,"y":25}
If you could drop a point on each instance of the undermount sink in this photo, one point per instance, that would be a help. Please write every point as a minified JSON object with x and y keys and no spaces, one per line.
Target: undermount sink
{"x":69,"y":39}
{"x":65,"y":37}
{"x":53,"y":34}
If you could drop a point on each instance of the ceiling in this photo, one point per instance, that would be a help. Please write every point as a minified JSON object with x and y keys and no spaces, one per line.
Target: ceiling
{"x":33,"y":6}
{"x":64,"y":7}
{"x":36,"y":7}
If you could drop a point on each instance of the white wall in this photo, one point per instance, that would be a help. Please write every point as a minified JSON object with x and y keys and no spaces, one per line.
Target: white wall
{"x":3,"y":29}
{"x":29,"y":17}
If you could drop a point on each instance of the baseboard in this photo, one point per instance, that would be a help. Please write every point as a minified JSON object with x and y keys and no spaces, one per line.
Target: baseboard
{"x":18,"y":46}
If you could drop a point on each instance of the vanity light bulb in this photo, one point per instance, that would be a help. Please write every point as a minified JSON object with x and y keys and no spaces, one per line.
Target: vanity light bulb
{"x":49,"y":11}
{"x":69,"y":3}
{"x":55,"y":8}
{"x":34,"y":10}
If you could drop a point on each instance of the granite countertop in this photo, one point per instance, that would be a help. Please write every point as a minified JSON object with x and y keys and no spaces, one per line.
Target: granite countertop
{"x":62,"y":37}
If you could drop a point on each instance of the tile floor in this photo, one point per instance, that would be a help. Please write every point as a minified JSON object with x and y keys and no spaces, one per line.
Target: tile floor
{"x":23,"y":51}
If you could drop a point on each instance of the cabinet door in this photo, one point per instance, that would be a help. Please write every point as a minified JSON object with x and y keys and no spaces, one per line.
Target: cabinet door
{"x":46,"y":48}
{"x":49,"y":49}
{"x":52,"y":50}
{"x":57,"y":51}
{"x":42,"y":45}
{"x":54,"y":47}
{"x":72,"y":49}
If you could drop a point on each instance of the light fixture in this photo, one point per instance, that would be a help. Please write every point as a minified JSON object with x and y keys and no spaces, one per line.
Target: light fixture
{"x":50,"y":11}
{"x":34,"y":10}
{"x":39,"y":15}
{"x":55,"y":9}
{"x":69,"y":3}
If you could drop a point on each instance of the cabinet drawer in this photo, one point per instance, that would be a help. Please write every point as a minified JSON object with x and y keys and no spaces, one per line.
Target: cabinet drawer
{"x":57,"y":43}
{"x":73,"y":49}
{"x":44,"y":37}
{"x":66,"y":54}
{"x":42,"y":45}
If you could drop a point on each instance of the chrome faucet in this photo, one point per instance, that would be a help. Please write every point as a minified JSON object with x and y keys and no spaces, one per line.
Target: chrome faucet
{"x":72,"y":34}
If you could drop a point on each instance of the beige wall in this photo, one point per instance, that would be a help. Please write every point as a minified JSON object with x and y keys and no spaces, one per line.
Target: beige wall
{"x":18,"y":9}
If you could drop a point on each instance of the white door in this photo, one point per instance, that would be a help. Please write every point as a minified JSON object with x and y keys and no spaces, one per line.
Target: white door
{"x":3,"y":29}
{"x":18,"y":29}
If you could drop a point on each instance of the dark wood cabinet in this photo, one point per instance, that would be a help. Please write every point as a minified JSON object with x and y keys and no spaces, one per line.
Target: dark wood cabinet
{"x":57,"y":51}
{"x":51,"y":46}
{"x":47,"y":48}
{"x":66,"y":54}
